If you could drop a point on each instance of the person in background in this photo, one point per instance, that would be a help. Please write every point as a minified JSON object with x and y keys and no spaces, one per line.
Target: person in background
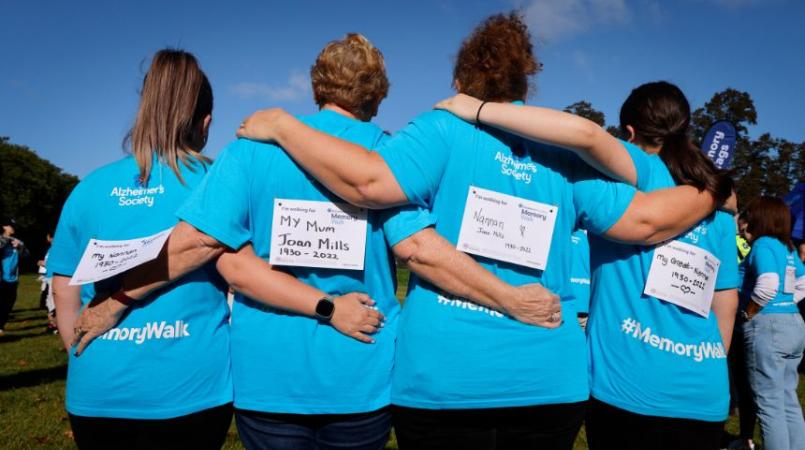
{"x":46,"y":294}
{"x":774,"y":332}
{"x":465,"y":378}
{"x":739,"y":377}
{"x":11,"y":250}
{"x":635,"y":338}
{"x":580,"y":275}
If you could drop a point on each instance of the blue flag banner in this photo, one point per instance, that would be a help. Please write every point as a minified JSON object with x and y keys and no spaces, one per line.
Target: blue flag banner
{"x":719,"y":143}
{"x":796,"y":202}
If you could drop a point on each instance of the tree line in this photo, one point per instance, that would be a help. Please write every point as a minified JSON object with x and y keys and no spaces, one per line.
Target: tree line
{"x":32,"y":192}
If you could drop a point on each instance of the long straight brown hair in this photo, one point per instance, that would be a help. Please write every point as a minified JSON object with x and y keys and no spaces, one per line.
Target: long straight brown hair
{"x":175,"y":99}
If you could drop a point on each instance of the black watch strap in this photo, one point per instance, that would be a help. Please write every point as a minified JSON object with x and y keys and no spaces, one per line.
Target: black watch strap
{"x":325,"y":308}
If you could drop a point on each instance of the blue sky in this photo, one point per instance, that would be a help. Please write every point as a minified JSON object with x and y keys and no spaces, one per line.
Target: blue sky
{"x":71,"y":70}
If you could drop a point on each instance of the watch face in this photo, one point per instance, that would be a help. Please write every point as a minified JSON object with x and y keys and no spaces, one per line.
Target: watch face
{"x":325,"y":308}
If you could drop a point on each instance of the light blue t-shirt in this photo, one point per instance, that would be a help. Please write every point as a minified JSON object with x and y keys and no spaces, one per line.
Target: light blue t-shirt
{"x":769,"y":255}
{"x":455,"y":354}
{"x":287,"y":363}
{"x":649,"y":356}
{"x":9,"y":264}
{"x":580,"y":271}
{"x":169,"y":356}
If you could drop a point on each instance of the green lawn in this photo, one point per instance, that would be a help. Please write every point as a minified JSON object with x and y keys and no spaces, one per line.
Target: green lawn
{"x":32,"y":370}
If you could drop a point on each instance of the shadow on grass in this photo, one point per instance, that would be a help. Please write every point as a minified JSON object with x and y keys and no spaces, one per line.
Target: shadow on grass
{"x":33,"y":377}
{"x":14,"y":337}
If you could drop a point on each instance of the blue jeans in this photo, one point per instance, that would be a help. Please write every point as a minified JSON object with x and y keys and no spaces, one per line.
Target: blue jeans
{"x":270,"y":431}
{"x":774,"y":345}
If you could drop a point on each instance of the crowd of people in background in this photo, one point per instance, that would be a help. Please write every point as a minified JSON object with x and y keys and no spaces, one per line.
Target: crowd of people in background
{"x":631,"y":302}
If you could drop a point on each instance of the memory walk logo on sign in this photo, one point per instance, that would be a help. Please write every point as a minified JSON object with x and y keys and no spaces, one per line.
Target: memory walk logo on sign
{"x":698,"y":352}
{"x":151,"y":331}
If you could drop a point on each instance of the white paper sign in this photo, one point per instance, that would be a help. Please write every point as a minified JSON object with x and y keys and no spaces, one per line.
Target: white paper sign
{"x":790,"y":279}
{"x":105,"y":259}
{"x":507,"y":228}
{"x":684,"y":275}
{"x":318,"y":234}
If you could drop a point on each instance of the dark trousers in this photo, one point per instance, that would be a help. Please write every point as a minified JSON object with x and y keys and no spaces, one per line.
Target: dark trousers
{"x":204,"y":430}
{"x":8,"y":296}
{"x":609,"y":427}
{"x":742,"y":391}
{"x":274,"y":431}
{"x":545,"y":427}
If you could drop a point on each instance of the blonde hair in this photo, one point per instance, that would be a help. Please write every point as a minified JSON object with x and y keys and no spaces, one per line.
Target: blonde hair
{"x":175,"y":99}
{"x":350,"y":73}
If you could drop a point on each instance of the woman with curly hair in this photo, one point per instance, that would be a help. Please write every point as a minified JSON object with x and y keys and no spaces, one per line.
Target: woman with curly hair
{"x":465,"y":378}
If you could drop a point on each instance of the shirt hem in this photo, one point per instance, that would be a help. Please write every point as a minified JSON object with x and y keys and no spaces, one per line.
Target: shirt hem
{"x":496,"y":403}
{"x":297,"y":408}
{"x":144,"y":413}
{"x":672,"y":414}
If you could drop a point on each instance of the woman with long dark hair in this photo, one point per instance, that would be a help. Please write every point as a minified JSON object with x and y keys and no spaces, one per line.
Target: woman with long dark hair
{"x":658,"y":367}
{"x":465,"y":378}
{"x":773,"y":331}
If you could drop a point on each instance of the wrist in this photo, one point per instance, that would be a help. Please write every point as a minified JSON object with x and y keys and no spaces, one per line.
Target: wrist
{"x":123,"y":299}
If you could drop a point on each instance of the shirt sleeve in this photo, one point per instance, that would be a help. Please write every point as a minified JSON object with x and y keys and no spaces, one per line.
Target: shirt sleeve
{"x":599,"y":202}
{"x":642,"y":166}
{"x":219,"y":206}
{"x":728,"y":277}
{"x":67,"y":247}
{"x":417,"y":155}
{"x":400,"y":223}
{"x":763,"y":260}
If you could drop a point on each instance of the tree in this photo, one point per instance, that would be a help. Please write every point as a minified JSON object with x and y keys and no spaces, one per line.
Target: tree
{"x":586,"y":110}
{"x":32,"y":191}
{"x":729,"y":104}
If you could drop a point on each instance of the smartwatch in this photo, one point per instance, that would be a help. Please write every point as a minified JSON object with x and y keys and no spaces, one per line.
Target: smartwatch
{"x":325,"y":308}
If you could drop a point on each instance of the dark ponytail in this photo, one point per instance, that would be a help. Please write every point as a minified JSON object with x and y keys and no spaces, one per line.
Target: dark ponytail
{"x":660,"y":116}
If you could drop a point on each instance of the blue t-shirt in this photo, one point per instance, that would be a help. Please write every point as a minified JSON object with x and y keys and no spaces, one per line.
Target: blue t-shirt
{"x":169,"y":356}
{"x":580,"y":272}
{"x":769,"y":255}
{"x":649,"y":356}
{"x":9,"y":263}
{"x":452,"y":353}
{"x":287,"y":363}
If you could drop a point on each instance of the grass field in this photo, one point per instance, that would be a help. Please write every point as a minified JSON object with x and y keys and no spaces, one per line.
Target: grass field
{"x":33,"y":366}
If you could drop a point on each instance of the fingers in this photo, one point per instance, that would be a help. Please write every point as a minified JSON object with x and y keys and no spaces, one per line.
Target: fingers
{"x":85,"y":341}
{"x":362,"y":337}
{"x":365,"y":299}
{"x":368,"y":328}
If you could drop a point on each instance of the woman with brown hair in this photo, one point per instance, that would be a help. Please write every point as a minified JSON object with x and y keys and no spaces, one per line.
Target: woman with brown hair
{"x":161,"y":378}
{"x":774,"y":332}
{"x":465,"y":378}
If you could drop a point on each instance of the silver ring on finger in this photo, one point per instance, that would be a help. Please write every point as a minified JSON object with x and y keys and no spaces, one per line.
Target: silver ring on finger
{"x":554,"y":317}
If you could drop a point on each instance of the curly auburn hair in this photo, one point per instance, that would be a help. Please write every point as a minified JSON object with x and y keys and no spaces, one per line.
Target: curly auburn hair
{"x":350,"y":73}
{"x":495,"y":61}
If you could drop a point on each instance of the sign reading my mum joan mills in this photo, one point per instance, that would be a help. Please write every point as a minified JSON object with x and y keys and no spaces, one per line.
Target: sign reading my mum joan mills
{"x":318,"y":234}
